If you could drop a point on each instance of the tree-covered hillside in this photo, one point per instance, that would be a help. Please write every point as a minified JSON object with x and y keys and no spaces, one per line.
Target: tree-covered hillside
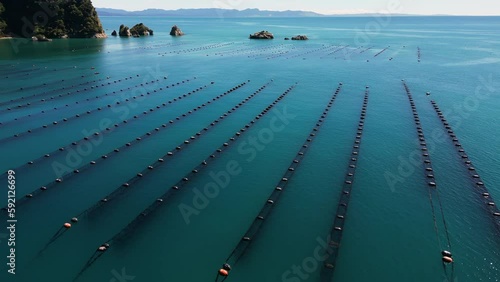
{"x":52,"y":18}
{"x":3,"y":25}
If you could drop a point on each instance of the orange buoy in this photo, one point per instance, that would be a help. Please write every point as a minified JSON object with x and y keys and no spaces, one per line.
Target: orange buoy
{"x":447,"y":259}
{"x":223,"y":272}
{"x":67,"y":225}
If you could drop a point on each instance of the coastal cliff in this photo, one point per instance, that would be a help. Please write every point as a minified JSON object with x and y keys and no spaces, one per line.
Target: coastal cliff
{"x":53,"y":19}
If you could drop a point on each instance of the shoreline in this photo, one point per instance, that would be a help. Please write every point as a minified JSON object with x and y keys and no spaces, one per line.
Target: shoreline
{"x":8,"y":37}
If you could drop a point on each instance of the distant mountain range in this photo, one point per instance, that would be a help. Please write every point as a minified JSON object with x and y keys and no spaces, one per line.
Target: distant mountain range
{"x":206,"y":13}
{"x":227,"y":13}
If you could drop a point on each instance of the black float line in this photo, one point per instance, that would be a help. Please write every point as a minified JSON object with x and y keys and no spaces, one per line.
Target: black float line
{"x":53,"y":98}
{"x":43,"y":94}
{"x":77,"y":116}
{"x":51,"y":91}
{"x":258,"y":52}
{"x":28,"y":72}
{"x":129,"y":183}
{"x":208,"y":47}
{"x":383,"y":50}
{"x":137,"y":220}
{"x":475,"y":178}
{"x":45,"y":111}
{"x":51,"y":83}
{"x":431,"y":181}
{"x":364,"y":50}
{"x":125,"y":187}
{"x":345,"y":196}
{"x":119,"y":149}
{"x":253,"y":229}
{"x":323,"y":48}
{"x":97,"y":134}
{"x":339,"y":48}
{"x":250,"y":50}
{"x":20,"y":72}
{"x":350,"y":52}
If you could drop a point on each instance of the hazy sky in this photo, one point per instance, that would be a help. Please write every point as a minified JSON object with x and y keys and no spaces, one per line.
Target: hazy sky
{"x":427,"y":7}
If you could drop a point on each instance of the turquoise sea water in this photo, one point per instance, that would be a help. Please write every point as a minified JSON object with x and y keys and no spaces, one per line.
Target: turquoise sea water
{"x":389,"y":234}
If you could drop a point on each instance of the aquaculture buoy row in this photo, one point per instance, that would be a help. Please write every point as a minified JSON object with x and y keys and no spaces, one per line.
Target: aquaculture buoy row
{"x":383,"y":50}
{"x":429,"y":171}
{"x":339,"y":48}
{"x":274,"y":54}
{"x":259,"y":52}
{"x":163,"y":159}
{"x":345,"y":196}
{"x":12,"y":101}
{"x":250,"y":50}
{"x":74,"y":92}
{"x":162,"y":199}
{"x":477,"y":181}
{"x":87,"y":100}
{"x":323,"y":48}
{"x":349,"y":52}
{"x":366,"y":49}
{"x":152,"y":47}
{"x":418,"y":54}
{"x":286,"y":50}
{"x":98,"y":134}
{"x":272,"y":200}
{"x":431,"y":183}
{"x":203,"y":48}
{"x":139,"y":176}
{"x":126,"y":145}
{"x":83,"y":114}
{"x":21,"y":72}
{"x":28,"y":72}
{"x":39,"y":86}
{"x":232,"y":52}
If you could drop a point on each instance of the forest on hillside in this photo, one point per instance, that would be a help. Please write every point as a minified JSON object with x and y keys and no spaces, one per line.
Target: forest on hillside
{"x":52,"y":18}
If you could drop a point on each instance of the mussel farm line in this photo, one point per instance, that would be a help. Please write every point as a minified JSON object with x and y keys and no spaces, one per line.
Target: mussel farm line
{"x":52,"y":98}
{"x":240,"y":249}
{"x":85,"y":113}
{"x":162,"y":199}
{"x":87,"y":100}
{"x":99,"y":134}
{"x":474,"y":175}
{"x":345,"y":196}
{"x":123,"y":147}
{"x":126,"y":186}
{"x":432,"y":188}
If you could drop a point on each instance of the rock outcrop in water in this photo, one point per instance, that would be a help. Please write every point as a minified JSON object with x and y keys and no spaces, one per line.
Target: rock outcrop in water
{"x":124,"y":31}
{"x":114,"y":33}
{"x":137,"y":30}
{"x":300,"y":37}
{"x":262,"y":35}
{"x":141,"y":30}
{"x":176,"y":31}
{"x":56,"y":19}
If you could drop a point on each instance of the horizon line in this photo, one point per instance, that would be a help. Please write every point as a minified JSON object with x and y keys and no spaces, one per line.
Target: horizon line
{"x":304,"y":11}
